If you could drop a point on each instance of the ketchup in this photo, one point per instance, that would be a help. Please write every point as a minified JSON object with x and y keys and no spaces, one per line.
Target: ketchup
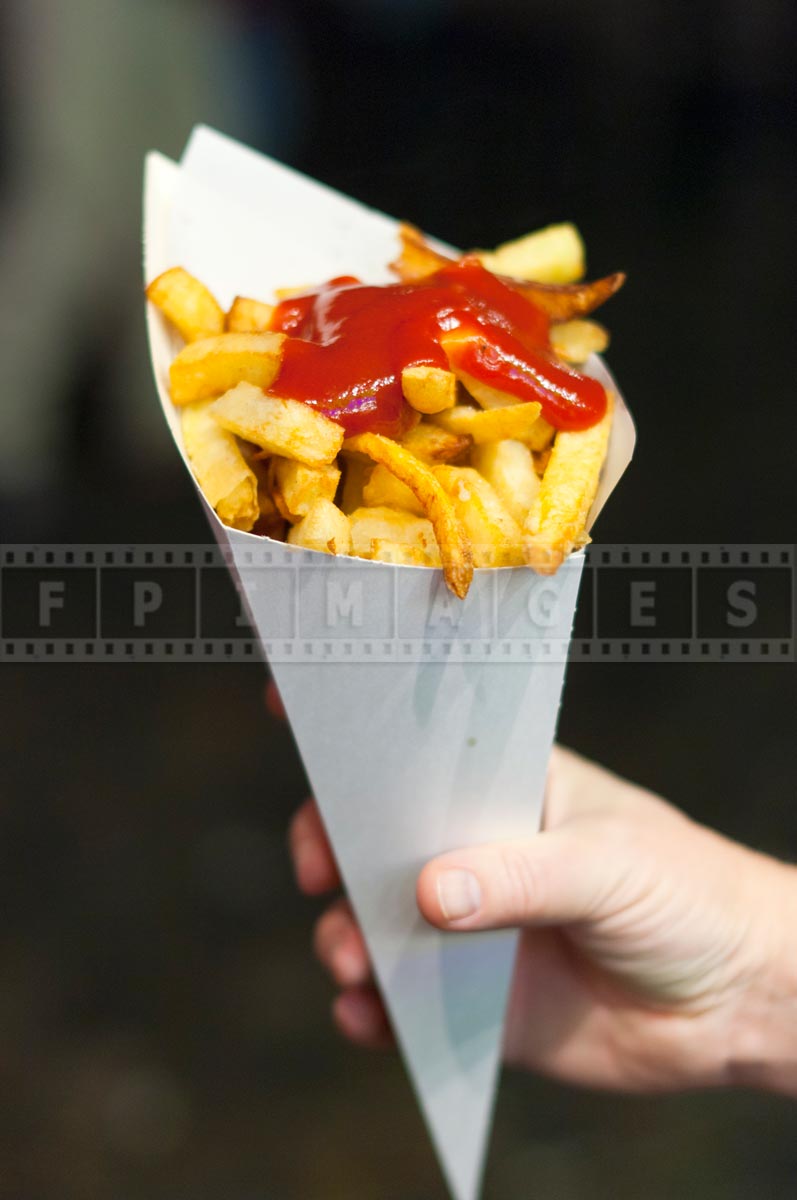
{"x":349,"y":342}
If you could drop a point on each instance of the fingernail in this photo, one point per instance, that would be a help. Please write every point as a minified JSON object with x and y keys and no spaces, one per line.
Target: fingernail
{"x":459,"y":894}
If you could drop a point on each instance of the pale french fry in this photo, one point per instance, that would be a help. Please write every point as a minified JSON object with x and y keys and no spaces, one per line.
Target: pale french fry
{"x":285,"y":427}
{"x":574,"y":341}
{"x":187,"y":303}
{"x":429,"y":389}
{"x":382,"y":487}
{"x":229,"y":484}
{"x":356,"y":470}
{"x":216,"y":364}
{"x":508,"y":466}
{"x":489,"y":425}
{"x":557,"y":520}
{"x":404,"y":555}
{"x":299,"y":485}
{"x":496,"y":537}
{"x":431,"y":444}
{"x":551,"y":255}
{"x":455,"y":550}
{"x":324,"y":528}
{"x":369,"y":525}
{"x":288,"y":293}
{"x":248,"y":316}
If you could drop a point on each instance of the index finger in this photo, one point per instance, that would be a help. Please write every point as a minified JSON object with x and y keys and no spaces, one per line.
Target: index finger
{"x":313,"y":860}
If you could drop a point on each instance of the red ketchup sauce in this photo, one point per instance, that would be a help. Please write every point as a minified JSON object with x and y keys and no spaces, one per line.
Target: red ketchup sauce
{"x":349,"y":342}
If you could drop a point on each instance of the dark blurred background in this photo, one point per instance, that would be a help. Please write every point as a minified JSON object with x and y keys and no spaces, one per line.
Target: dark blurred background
{"x":164,"y":1032}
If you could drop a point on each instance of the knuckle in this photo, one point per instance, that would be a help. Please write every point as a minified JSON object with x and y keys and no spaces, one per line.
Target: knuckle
{"x":521,"y":882}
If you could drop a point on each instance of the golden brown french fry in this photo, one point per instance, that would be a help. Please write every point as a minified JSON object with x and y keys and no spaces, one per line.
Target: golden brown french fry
{"x":416,"y":258}
{"x":455,"y":550}
{"x":562,"y":301}
{"x":228,"y":483}
{"x":557,"y":520}
{"x":496,"y":538}
{"x":541,"y":459}
{"x":431,"y":444}
{"x":574,"y":341}
{"x":383,"y":524}
{"x":508,"y":467}
{"x":429,"y":389}
{"x":216,"y":364}
{"x":299,"y":485}
{"x":489,"y":425}
{"x":187,"y":303}
{"x":540,"y":437}
{"x":248,"y":316}
{"x":285,"y":427}
{"x":551,"y":255}
{"x":383,"y":488}
{"x":324,"y":528}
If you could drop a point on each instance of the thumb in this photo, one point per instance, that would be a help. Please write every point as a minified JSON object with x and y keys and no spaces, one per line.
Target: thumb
{"x":556,"y":878}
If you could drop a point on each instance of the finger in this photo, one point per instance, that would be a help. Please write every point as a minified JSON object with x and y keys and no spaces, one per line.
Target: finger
{"x":360,"y":1016}
{"x":340,"y":946}
{"x":274,"y":701}
{"x":576,"y":787}
{"x":313,"y":861}
{"x":555,"y":878}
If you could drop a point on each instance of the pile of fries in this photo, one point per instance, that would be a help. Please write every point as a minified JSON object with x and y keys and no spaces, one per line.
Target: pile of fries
{"x":479,"y":480}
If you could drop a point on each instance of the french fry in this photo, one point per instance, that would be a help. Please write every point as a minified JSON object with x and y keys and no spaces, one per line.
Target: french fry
{"x":383,"y":488}
{"x":495,"y":536}
{"x":455,"y":550}
{"x":216,"y":364}
{"x":429,"y":389}
{"x":299,"y":485}
{"x":369,"y":525}
{"x":288,"y":293}
{"x":405,"y":555}
{"x":356,"y":470}
{"x":229,"y":484}
{"x":324,"y":528}
{"x":574,"y":341}
{"x":515,"y":421}
{"x":248,"y":316}
{"x":187,"y":303}
{"x":508,"y":467}
{"x":541,"y":459}
{"x":557,"y":520}
{"x":431,"y":444}
{"x":551,"y":255}
{"x":562,"y":301}
{"x":285,"y":427}
{"x":416,"y":258}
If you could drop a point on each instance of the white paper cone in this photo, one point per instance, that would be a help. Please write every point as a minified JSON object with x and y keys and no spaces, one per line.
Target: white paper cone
{"x":424,"y":723}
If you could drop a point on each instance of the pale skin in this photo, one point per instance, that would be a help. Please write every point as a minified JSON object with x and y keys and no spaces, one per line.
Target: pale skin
{"x":656,"y":955}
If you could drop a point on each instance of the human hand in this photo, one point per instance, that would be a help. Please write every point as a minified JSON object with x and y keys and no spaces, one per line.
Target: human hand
{"x":652,"y":954}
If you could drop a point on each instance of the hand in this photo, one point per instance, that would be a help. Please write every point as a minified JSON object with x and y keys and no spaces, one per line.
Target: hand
{"x":652,"y":950}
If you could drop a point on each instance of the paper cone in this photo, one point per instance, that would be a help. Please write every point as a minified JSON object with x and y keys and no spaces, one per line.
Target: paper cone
{"x":424,"y":722}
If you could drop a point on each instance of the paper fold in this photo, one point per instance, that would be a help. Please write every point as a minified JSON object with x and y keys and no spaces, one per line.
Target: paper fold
{"x":444,"y":743}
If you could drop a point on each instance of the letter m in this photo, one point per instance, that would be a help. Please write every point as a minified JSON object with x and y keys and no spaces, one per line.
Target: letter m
{"x":344,"y":603}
